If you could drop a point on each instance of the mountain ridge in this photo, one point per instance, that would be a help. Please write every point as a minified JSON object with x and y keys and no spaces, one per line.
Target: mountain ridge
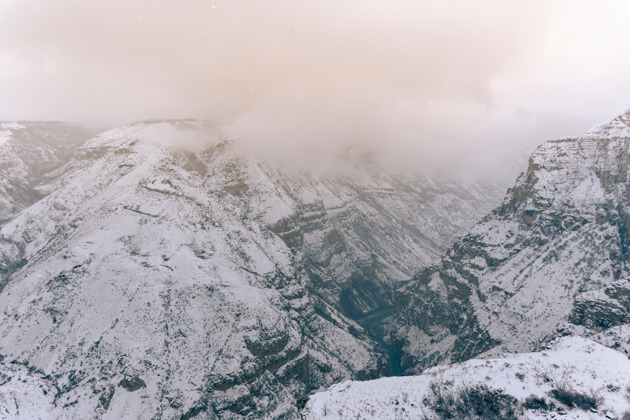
{"x":29,"y":152}
{"x":536,"y":266}
{"x":156,"y":281}
{"x":618,"y":126}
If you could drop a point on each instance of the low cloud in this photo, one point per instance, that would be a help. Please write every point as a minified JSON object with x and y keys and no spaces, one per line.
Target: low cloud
{"x":454,"y":87}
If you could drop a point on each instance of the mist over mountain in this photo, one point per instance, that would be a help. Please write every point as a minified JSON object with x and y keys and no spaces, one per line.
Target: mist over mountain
{"x":155,"y":281}
{"x":497,"y":328}
{"x":451,"y":88}
{"x":29,"y":151}
{"x":277,"y":209}
{"x":142,"y":279}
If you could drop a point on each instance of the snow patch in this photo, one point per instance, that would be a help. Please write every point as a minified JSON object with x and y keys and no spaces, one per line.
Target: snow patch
{"x":574,"y":362}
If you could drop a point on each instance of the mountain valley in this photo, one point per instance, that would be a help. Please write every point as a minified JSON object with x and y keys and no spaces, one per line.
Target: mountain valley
{"x":142,"y":279}
{"x":156,"y":281}
{"x":551,"y":260}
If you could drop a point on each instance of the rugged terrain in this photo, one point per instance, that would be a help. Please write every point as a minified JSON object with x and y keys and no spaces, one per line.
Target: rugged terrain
{"x":161,"y":281}
{"x":29,"y":151}
{"x":551,"y":260}
{"x":575,"y":379}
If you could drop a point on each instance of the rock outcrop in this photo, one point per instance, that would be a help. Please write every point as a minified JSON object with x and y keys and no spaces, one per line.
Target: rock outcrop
{"x":552,"y":259}
{"x":158,"y":282}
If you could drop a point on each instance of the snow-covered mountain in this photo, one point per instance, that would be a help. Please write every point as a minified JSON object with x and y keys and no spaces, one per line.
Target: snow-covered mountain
{"x":618,"y":126}
{"x":575,"y":379}
{"x":553,"y":259}
{"x":156,"y":281}
{"x":29,"y":151}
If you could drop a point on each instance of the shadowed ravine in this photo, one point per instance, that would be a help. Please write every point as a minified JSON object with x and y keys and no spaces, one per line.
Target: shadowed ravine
{"x":372,"y":323}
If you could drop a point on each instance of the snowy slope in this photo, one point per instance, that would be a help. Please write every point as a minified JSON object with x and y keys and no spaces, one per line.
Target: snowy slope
{"x":28,"y":152}
{"x":573,"y":363}
{"x":552,"y":259}
{"x":162,"y":282}
{"x":361,"y":235}
{"x":615,"y":127}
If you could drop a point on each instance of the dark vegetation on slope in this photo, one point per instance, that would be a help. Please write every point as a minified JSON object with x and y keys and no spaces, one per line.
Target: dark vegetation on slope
{"x":478,"y":401}
{"x":472,"y":402}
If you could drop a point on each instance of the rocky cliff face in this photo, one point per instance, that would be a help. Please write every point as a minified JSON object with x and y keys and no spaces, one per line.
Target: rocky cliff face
{"x":29,"y":152}
{"x":552,"y":259}
{"x":155,"y":282}
{"x":615,"y":127}
{"x":360,"y":237}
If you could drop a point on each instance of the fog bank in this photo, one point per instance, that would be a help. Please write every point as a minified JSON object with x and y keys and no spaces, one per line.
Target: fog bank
{"x":453,"y":87}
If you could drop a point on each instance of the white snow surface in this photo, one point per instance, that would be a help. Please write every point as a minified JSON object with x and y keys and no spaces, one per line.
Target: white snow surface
{"x":6,"y":131}
{"x":572,"y":181}
{"x":559,"y":234}
{"x":615,"y":127}
{"x":5,"y":136}
{"x":28,"y":152}
{"x":573,"y":363}
{"x":163,"y":266}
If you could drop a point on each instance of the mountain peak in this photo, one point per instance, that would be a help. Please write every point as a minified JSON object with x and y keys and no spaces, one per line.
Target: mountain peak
{"x":615,"y":127}
{"x":179,"y":135}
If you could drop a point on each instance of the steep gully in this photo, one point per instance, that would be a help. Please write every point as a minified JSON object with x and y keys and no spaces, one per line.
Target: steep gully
{"x":374,"y":323}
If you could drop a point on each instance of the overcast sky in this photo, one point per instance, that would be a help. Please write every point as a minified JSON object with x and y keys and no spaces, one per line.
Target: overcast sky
{"x":460,"y":86}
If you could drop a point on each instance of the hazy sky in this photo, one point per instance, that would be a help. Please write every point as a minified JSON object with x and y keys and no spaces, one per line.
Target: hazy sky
{"x":462,"y":85}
